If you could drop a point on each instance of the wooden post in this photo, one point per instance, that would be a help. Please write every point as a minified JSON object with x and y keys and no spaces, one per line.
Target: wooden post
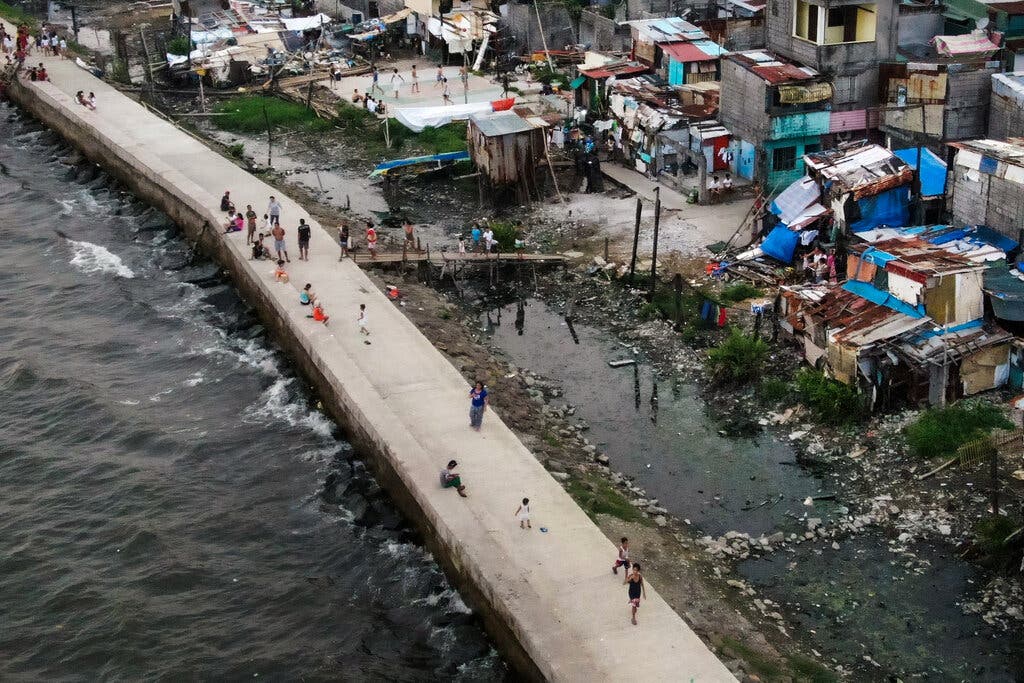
{"x":606,"y":250}
{"x":654,"y":249}
{"x":994,"y":476}
{"x":309,"y":95}
{"x":636,"y":239}
{"x":677,"y":285}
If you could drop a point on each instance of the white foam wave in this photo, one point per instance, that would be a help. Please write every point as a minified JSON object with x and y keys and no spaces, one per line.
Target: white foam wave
{"x":276,"y":402}
{"x":195,"y":379}
{"x":93,"y":258}
{"x":67,"y":206}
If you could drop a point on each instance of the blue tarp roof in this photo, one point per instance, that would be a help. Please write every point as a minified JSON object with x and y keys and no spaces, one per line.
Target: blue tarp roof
{"x":780,"y":244}
{"x":933,"y":170}
{"x":876,"y":296}
{"x":877,"y":256}
{"x":891,"y":207}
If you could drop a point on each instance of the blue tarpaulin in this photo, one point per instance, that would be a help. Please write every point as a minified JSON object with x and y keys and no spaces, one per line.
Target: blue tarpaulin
{"x":780,"y":244}
{"x":412,"y":161}
{"x":933,"y":170}
{"x":877,"y":256}
{"x":876,"y":296}
{"x":891,"y":208}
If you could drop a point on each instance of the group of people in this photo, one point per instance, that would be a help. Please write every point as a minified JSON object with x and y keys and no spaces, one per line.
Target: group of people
{"x":396,"y":80}
{"x":718,"y":188}
{"x":819,"y":266}
{"x":19,"y":46}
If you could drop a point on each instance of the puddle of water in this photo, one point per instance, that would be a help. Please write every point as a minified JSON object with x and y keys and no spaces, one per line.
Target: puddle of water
{"x":865,"y":601}
{"x":659,"y":431}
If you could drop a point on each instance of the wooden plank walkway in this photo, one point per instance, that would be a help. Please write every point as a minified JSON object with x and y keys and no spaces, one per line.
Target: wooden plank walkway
{"x":441,"y":258}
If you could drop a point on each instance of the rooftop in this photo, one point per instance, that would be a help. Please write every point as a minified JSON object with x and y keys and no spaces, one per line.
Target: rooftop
{"x":498,"y":123}
{"x":666,"y":30}
{"x":773,"y":69}
{"x":860,"y":167}
{"x":1010,"y":151}
{"x":1009,"y":85}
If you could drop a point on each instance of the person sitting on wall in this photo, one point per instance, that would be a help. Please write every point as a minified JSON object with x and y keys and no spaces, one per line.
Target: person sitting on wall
{"x":225,"y":201}
{"x":727,"y":183}
{"x":356,"y":97}
{"x":451,"y":479}
{"x":259,"y":250}
{"x":714,"y":189}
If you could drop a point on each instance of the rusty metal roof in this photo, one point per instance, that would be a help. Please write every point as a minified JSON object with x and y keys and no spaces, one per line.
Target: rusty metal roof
{"x":773,"y":69}
{"x":918,"y":256}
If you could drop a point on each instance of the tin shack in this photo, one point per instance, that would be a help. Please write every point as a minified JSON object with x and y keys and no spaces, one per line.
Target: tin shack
{"x":507,"y":150}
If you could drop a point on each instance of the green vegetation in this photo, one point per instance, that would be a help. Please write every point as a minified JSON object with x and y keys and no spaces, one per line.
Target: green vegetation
{"x":180,"y":45}
{"x":17,"y":16}
{"x":739,"y":291}
{"x":992,"y":534}
{"x":118,"y":71}
{"x":940,"y":431}
{"x":505,"y":233}
{"x":544,"y":74}
{"x":806,"y":669}
{"x":246,"y":115}
{"x":550,"y":439}
{"x":236,"y":150}
{"x":357,"y":123}
{"x":832,"y":402}
{"x":649,"y":311}
{"x":796,"y":667}
{"x":774,"y":390}
{"x":598,"y":497}
{"x":739,"y":359}
{"x":756,"y":662}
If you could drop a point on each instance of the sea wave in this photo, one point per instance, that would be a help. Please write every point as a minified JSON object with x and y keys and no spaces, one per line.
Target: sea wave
{"x":94,"y":258}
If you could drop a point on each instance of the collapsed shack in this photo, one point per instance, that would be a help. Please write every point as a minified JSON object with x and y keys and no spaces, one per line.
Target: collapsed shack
{"x":907,"y":325}
{"x":507,"y":150}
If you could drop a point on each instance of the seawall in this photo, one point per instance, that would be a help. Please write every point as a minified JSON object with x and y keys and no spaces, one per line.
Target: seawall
{"x":547,"y":599}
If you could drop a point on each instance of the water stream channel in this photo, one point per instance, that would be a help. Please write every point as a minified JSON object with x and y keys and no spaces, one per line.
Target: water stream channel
{"x":880,"y":613}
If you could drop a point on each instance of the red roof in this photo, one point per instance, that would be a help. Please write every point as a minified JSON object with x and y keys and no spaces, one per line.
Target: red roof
{"x":782,"y":73}
{"x":686,"y":52}
{"x":615,"y":70}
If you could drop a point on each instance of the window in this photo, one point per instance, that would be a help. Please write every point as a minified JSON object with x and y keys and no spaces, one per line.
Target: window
{"x":812,"y":148}
{"x":784,"y":158}
{"x":806,"y":21}
{"x":835,"y":25}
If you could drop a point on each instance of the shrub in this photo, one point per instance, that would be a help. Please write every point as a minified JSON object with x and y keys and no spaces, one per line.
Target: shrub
{"x":992,"y":534}
{"x":16,"y":15}
{"x":740,"y":358}
{"x":236,"y":150}
{"x":773,"y":390}
{"x":940,"y":431}
{"x":740,"y":291}
{"x":832,"y":402}
{"x":505,"y":234}
{"x":649,"y":311}
{"x":179,"y":46}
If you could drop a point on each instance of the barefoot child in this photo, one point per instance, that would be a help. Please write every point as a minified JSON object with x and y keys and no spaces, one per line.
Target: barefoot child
{"x":636,"y":589}
{"x":523,"y":513}
{"x":361,"y":320}
{"x":280,"y":274}
{"x":623,"y":559}
{"x":318,"y":313}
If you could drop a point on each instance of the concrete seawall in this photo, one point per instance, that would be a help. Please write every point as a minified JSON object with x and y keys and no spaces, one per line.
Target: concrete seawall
{"x":547,"y":599}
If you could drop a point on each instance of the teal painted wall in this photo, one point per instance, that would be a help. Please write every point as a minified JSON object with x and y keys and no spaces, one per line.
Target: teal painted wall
{"x":777,"y":180}
{"x":800,"y":125}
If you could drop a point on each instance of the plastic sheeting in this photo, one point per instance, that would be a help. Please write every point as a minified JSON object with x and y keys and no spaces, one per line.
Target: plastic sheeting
{"x":780,"y":244}
{"x":933,"y":170}
{"x":891,"y":207}
{"x":792,"y":201}
{"x":306,"y":23}
{"x":418,"y":118}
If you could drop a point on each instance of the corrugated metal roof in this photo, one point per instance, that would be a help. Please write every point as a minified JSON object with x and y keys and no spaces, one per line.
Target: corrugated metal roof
{"x":772,"y":69}
{"x":623,"y":69}
{"x":500,"y":123}
{"x":697,"y":51}
{"x":668,"y":29}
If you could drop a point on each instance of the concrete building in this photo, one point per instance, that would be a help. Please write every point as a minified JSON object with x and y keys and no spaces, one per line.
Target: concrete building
{"x":777,"y":112}
{"x":988,"y":185}
{"x":845,"y":38}
{"x":1006,"y":108}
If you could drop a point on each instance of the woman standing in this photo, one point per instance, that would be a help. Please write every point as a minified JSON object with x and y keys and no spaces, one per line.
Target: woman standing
{"x":636,"y":589}
{"x":478,"y":401}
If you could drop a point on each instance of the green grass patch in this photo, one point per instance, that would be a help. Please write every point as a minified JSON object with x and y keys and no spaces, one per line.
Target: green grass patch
{"x":739,"y":359}
{"x":832,"y":402}
{"x":992,"y":533}
{"x":806,"y":669}
{"x":237,"y":150}
{"x":17,"y":15}
{"x":550,"y":439}
{"x":774,"y":390}
{"x":245,"y":114}
{"x":756,"y":662}
{"x":180,"y":45}
{"x":739,"y":291}
{"x":598,"y":497}
{"x":940,"y":431}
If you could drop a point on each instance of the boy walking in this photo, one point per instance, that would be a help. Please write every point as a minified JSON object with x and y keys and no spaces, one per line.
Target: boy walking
{"x":274,"y":209}
{"x":623,"y":559}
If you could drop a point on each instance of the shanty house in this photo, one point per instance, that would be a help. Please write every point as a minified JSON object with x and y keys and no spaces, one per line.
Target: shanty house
{"x":507,"y":149}
{"x":988,"y":185}
{"x":940,"y":92}
{"x":676,"y":49}
{"x":1006,"y":109}
{"x":865,"y":185}
{"x":777,"y":112}
{"x":907,"y":325}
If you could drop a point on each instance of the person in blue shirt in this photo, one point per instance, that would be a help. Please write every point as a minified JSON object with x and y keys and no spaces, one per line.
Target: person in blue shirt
{"x":478,"y":401}
{"x":475,"y":235}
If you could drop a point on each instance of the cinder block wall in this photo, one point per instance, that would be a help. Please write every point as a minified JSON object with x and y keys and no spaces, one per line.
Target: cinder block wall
{"x":1005,"y":117}
{"x":521,"y":20}
{"x":967,"y":103}
{"x":992,"y":201}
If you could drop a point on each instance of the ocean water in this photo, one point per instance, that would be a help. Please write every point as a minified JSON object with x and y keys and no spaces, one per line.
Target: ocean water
{"x":172,"y":504}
